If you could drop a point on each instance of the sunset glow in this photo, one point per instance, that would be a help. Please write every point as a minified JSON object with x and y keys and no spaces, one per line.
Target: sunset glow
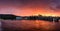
{"x":29,"y":15}
{"x":29,"y":8}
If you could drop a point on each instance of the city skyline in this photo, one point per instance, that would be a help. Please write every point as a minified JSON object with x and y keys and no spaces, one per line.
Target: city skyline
{"x":39,"y":17}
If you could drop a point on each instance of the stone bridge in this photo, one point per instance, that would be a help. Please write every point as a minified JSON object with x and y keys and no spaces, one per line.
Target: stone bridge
{"x":56,"y":19}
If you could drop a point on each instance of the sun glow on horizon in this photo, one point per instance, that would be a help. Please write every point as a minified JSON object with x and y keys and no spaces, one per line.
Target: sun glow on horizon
{"x":45,"y":14}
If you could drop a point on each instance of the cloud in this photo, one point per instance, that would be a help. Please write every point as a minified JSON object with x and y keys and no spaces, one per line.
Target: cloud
{"x":55,"y":5}
{"x":31,"y":6}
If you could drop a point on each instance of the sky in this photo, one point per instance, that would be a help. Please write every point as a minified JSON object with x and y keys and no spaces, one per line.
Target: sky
{"x":30,"y":7}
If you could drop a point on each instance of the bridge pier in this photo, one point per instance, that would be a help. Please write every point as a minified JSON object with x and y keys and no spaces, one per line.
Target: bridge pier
{"x":58,"y":20}
{"x":55,"y":19}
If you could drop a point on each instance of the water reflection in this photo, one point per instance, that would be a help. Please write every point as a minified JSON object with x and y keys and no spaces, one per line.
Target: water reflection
{"x":33,"y":25}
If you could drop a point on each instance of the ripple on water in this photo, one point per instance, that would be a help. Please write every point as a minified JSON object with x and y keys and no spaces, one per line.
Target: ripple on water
{"x":29,"y":24}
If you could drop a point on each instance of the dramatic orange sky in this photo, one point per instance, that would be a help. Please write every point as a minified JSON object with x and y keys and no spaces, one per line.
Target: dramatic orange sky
{"x":30,"y":7}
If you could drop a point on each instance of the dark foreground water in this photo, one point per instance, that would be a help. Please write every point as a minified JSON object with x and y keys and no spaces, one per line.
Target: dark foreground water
{"x":29,"y":25}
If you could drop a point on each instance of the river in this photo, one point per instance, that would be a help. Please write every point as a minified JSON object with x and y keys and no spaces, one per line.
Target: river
{"x":28,"y":25}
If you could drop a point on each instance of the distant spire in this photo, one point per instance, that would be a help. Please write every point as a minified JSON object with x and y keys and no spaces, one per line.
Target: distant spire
{"x":39,"y":15}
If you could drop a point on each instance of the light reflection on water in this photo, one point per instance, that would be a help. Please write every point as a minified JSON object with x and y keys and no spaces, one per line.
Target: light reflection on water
{"x":30,"y":24}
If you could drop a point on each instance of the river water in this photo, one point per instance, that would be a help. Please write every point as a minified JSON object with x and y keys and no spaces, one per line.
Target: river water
{"x":28,"y":25}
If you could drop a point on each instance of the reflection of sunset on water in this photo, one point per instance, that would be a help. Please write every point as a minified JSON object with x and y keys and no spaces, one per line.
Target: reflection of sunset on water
{"x":37,"y":24}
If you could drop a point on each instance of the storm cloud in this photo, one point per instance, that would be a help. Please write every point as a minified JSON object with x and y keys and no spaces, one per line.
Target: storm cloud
{"x":55,"y":5}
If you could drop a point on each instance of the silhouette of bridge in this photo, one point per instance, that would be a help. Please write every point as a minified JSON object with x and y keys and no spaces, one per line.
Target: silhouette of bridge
{"x":56,"y":19}
{"x":45,"y":18}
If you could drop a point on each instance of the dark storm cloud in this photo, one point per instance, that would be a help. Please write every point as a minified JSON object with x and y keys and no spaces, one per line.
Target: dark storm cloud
{"x":35,"y":3}
{"x":55,"y":5}
{"x":23,"y":2}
